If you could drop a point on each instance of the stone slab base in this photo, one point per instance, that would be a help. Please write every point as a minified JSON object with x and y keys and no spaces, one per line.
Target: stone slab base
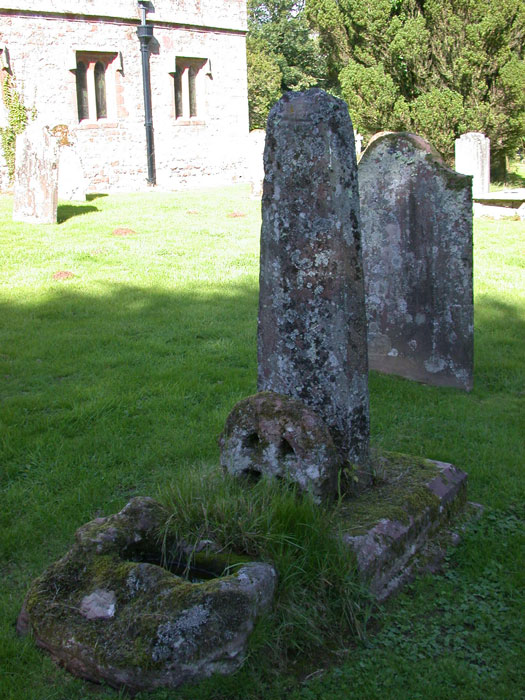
{"x":403,"y":524}
{"x":504,"y":198}
{"x":498,"y":212}
{"x":411,"y":368}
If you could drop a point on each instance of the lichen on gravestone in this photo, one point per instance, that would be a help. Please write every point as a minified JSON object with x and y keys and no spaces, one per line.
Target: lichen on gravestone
{"x":312,"y":326}
{"x":417,"y":255}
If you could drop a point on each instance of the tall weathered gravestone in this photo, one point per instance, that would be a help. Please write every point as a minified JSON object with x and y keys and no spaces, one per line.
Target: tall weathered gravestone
{"x":36,"y":176}
{"x":472,"y":154}
{"x":417,"y":256}
{"x":312,"y":323}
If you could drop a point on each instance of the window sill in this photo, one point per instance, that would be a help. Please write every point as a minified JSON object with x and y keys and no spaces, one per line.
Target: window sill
{"x":99,"y":124}
{"x":190,"y":122}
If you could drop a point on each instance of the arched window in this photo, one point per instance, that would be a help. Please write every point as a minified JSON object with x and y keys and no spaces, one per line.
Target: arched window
{"x":96,"y":81}
{"x":82,"y":91}
{"x":100,"y":90}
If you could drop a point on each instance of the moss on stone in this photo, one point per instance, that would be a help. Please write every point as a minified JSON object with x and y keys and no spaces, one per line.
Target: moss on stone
{"x":399,"y":492}
{"x":160,"y":621}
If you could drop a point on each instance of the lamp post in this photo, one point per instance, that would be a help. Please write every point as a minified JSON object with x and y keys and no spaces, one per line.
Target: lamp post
{"x":145,"y":35}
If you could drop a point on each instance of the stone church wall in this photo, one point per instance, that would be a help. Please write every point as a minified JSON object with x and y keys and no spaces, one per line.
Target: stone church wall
{"x":42,"y":46}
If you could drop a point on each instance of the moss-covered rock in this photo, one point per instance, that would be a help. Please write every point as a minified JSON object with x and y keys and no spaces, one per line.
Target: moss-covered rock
{"x":108,"y":613}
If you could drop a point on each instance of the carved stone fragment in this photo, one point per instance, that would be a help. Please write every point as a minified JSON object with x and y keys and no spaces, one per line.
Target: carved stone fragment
{"x":273,"y":435}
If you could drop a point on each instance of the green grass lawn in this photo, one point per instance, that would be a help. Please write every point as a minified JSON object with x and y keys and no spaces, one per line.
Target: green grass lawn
{"x":117,"y":381}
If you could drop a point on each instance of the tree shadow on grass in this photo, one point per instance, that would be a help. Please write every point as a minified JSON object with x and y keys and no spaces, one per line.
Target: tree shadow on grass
{"x":174,"y":359}
{"x":108,"y":396}
{"x":161,"y":369}
{"x":182,"y":355}
{"x":515,"y":180}
{"x":68,"y":211}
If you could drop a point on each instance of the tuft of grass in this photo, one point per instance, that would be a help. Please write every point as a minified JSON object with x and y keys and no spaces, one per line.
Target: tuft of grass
{"x":320,"y":602}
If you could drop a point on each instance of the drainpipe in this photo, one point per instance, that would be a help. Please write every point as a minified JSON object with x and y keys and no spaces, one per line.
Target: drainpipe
{"x":145,"y":35}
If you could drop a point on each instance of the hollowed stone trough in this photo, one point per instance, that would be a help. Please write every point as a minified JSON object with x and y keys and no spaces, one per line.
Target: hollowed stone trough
{"x":109,"y":611}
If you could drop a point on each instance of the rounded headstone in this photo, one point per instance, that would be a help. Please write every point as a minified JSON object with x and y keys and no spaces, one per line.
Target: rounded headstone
{"x":36,"y":176}
{"x":417,"y":252}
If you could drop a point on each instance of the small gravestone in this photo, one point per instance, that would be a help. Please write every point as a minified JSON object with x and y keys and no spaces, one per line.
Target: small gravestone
{"x":36,"y":176}
{"x":255,"y":162}
{"x":71,"y":181}
{"x":472,"y":152}
{"x":358,"y":143}
{"x":312,"y":324}
{"x":417,"y":255}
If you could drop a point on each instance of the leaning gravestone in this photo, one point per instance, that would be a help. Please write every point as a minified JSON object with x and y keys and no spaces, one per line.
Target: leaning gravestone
{"x":417,"y":257}
{"x":36,"y":176}
{"x":472,"y":154}
{"x":312,"y":323}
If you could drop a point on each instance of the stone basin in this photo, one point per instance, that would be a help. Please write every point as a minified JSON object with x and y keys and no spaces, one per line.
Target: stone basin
{"x":108,"y":611}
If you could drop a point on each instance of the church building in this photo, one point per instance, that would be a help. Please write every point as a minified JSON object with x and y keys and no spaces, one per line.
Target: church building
{"x":146,"y":92}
